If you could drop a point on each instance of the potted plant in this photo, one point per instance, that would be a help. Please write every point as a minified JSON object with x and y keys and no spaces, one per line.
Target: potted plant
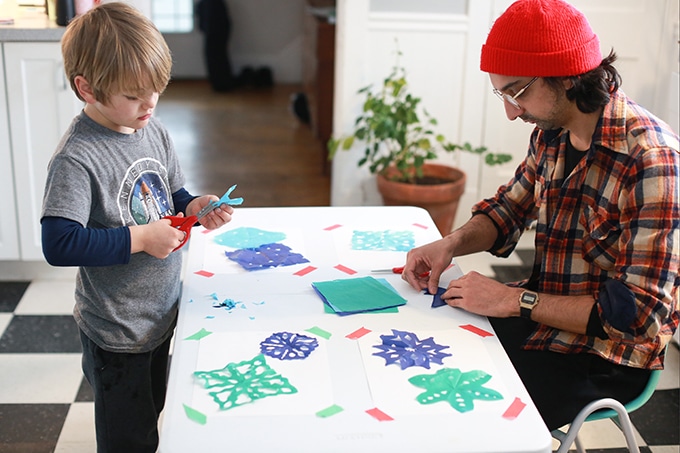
{"x":399,"y":139}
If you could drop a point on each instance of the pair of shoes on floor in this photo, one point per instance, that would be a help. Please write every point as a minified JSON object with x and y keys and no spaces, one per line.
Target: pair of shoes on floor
{"x":260,"y":78}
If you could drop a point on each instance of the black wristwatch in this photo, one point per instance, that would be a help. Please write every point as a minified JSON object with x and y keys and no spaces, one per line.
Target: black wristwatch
{"x":527,"y":301}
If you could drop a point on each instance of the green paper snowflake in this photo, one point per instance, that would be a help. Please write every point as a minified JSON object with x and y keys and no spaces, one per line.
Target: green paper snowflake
{"x":455,"y":387}
{"x":244,"y":382}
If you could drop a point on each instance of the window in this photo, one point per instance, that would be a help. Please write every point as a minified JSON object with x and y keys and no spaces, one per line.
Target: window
{"x":173,"y":16}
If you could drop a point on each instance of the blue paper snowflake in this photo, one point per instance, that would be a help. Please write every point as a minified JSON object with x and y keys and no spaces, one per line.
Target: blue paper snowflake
{"x":386,"y":240}
{"x":407,"y":350}
{"x":288,"y":346}
{"x":265,"y":256}
{"x":247,"y":237}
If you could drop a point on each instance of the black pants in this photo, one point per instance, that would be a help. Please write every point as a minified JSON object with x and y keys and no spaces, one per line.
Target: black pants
{"x":129,"y":395}
{"x":562,"y":384}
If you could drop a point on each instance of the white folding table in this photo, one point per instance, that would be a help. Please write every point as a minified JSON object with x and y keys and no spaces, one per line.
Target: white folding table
{"x":348,"y":397}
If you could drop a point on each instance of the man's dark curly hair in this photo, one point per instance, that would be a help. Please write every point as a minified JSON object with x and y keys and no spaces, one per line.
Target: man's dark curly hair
{"x":592,"y":89}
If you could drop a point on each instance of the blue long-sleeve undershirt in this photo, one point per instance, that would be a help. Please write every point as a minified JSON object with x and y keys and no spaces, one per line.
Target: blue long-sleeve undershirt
{"x":66,"y":242}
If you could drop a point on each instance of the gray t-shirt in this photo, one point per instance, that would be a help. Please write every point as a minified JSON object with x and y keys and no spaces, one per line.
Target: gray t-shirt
{"x":104,"y":179}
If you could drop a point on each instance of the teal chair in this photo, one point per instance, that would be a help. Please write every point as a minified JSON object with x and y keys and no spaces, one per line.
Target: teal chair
{"x":603,"y":409}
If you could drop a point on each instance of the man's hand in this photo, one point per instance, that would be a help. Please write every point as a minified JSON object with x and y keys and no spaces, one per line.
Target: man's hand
{"x":478,"y":234}
{"x":476,"y":293}
{"x":434,"y":258}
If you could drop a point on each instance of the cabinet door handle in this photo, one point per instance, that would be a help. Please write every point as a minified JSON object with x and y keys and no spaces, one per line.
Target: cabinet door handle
{"x":60,"y":77}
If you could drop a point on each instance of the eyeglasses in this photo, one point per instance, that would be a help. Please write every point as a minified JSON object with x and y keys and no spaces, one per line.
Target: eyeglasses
{"x":512,"y":100}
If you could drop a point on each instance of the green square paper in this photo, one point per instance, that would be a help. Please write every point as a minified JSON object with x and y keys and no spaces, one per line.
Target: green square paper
{"x":357,"y":295}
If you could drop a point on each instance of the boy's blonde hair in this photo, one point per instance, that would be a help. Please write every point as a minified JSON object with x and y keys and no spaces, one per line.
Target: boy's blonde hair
{"x":117,"y":50}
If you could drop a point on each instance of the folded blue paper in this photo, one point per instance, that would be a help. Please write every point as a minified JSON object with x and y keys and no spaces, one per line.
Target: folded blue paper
{"x":437,"y":300}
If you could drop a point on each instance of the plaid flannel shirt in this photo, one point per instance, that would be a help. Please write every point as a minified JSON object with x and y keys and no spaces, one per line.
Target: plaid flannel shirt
{"x":616,"y":216}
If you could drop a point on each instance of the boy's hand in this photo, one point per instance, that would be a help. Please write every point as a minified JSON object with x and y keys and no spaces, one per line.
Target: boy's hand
{"x":158,"y":238}
{"x":214,"y":219}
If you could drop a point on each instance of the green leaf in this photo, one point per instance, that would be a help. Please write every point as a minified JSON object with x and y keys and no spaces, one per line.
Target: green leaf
{"x":332,"y":147}
{"x":497,"y":159}
{"x":348,"y":142}
{"x":396,"y":130}
{"x":424,"y":143}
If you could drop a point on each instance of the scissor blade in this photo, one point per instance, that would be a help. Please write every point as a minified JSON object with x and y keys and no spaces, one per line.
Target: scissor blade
{"x":206,"y":210}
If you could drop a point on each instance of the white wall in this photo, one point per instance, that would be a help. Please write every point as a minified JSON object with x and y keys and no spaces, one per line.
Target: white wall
{"x":264,"y":33}
{"x":442,"y":69}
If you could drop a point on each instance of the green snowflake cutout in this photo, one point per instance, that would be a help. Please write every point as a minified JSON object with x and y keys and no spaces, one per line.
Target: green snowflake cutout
{"x":245,"y":382}
{"x":455,"y":387}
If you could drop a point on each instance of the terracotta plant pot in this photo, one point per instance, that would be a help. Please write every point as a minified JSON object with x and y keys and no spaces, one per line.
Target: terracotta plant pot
{"x":440,"y":200}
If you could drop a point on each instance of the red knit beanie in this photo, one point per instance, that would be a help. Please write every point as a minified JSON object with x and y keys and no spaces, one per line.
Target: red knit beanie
{"x":541,"y":38}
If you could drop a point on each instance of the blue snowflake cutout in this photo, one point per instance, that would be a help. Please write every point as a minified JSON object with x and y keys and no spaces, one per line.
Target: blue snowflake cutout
{"x":266,"y":256}
{"x":288,"y":346}
{"x":407,"y":350}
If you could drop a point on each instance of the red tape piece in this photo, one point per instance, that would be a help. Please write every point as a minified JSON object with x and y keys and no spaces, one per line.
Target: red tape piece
{"x":345,"y":269}
{"x":379,"y":415}
{"x":514,"y":410}
{"x":358,"y":333}
{"x":477,"y":330}
{"x":332,"y":227}
{"x":204,"y":274}
{"x":305,"y":271}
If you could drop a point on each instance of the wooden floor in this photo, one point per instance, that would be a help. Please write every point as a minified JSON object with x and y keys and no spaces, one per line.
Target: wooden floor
{"x":247,"y":137}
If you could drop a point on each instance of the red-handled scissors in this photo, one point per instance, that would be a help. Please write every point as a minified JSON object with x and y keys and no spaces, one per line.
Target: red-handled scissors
{"x":184,"y":224}
{"x":396,"y":270}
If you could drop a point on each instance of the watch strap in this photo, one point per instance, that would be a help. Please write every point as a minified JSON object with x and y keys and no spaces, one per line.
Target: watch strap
{"x":525,"y":312}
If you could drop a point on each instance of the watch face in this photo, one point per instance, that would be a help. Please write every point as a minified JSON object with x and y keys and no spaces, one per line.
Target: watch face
{"x":527,"y":302}
{"x":529,"y":298}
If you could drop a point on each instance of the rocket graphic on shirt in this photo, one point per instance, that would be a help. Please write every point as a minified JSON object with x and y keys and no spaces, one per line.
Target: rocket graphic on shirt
{"x":144,"y":196}
{"x":149,"y":203}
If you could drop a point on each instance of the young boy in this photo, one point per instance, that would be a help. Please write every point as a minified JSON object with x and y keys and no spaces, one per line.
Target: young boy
{"x":112,"y":179}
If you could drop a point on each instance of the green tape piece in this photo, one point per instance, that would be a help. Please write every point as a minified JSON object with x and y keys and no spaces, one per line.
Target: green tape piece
{"x":329,"y":411}
{"x":318,"y":331}
{"x":198,"y":335}
{"x":194,"y":415}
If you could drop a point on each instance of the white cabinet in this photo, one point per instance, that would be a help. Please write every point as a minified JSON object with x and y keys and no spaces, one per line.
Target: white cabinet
{"x":40,"y":106}
{"x":9,"y":245}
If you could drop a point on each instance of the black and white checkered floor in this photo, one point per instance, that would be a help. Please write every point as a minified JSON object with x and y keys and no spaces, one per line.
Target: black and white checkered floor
{"x":46,"y":406}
